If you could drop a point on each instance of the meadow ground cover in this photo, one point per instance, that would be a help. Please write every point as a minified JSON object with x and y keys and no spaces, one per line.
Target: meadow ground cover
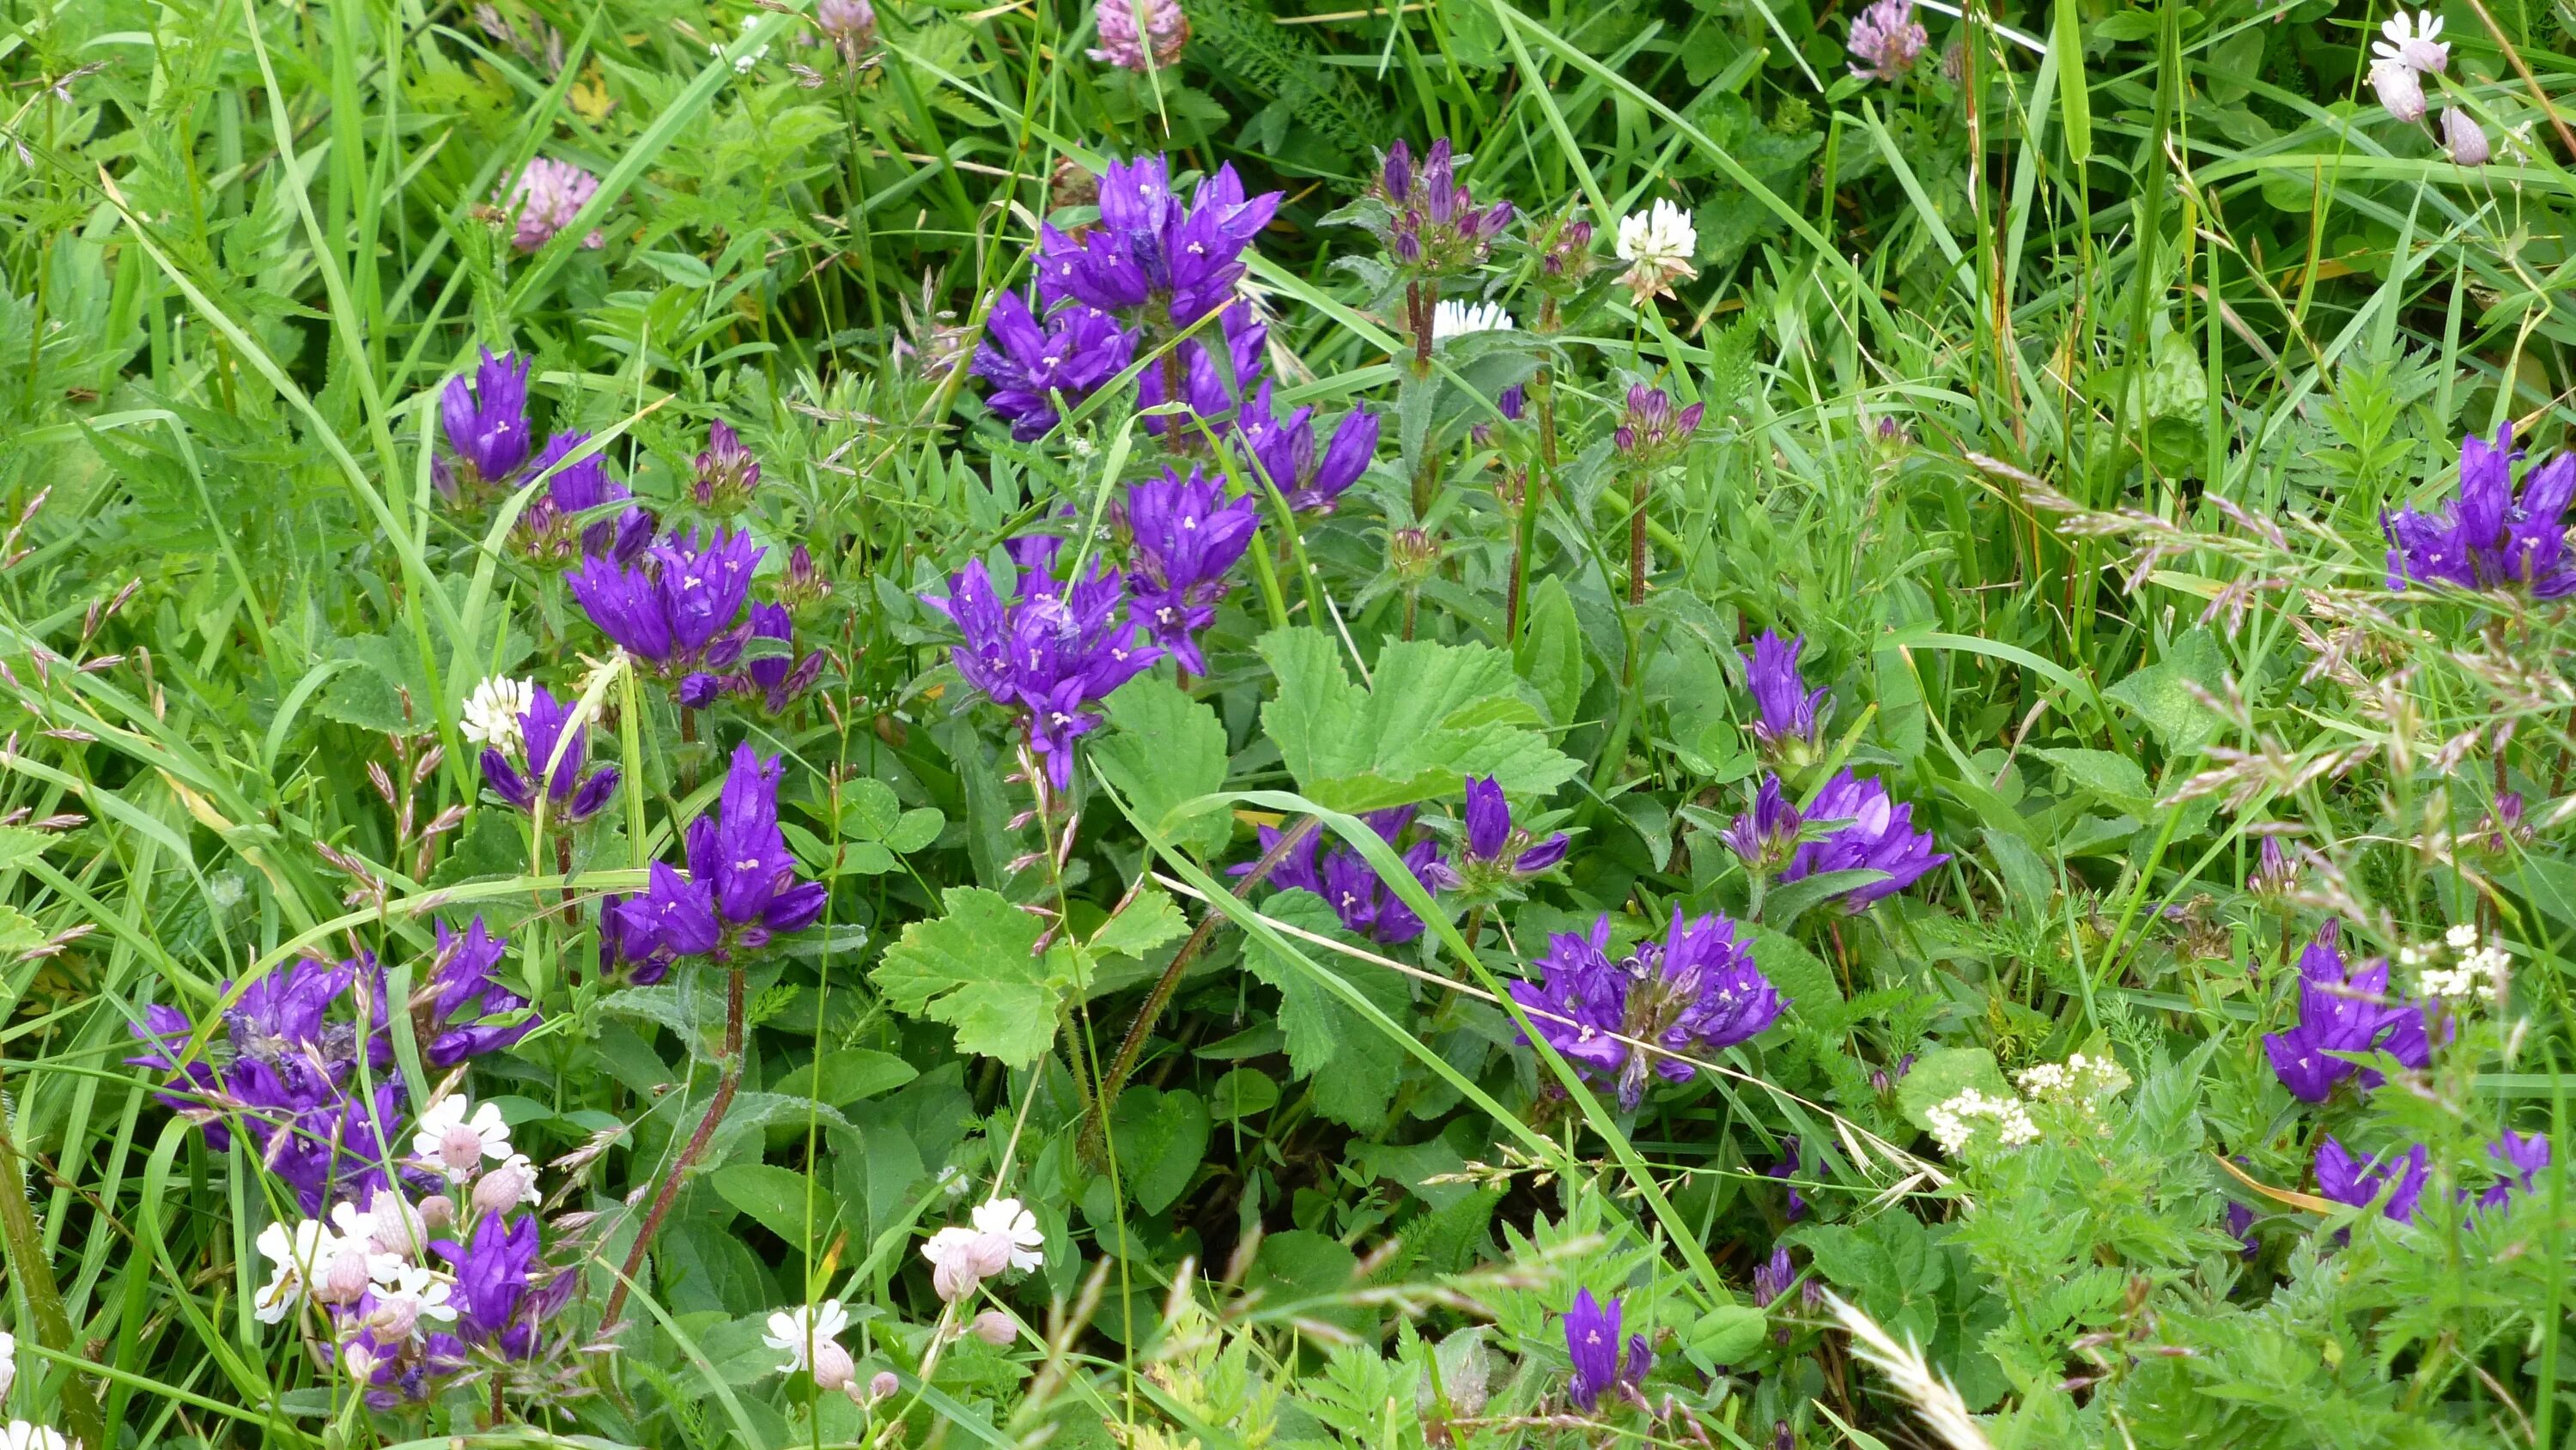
{"x":1186,"y":726}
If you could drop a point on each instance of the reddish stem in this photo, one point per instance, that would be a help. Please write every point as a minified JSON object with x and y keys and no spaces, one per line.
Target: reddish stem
{"x":679,"y":1174}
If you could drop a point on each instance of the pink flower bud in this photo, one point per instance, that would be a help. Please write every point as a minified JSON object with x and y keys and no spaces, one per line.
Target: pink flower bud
{"x":995,"y":1328}
{"x":833,"y":1369}
{"x":505,"y":1187}
{"x":343,"y":1278}
{"x":883,"y":1384}
{"x":438,"y":1211}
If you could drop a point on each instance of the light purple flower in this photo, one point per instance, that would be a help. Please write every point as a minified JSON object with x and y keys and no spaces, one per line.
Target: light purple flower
{"x":1031,"y":366}
{"x":1283,"y":450}
{"x":544,"y":200}
{"x":1695,"y":991}
{"x":485,"y":422}
{"x":2488,"y":538}
{"x":1140,"y":35}
{"x":2346,"y":1179}
{"x":1048,"y":655}
{"x":1880,"y":837}
{"x":1885,"y":39}
{"x":1152,"y":259}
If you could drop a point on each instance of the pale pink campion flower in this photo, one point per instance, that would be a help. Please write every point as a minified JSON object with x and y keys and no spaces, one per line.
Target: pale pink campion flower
{"x":850,"y":26}
{"x":2400,"y":89}
{"x":545,"y":199}
{"x":2414,"y":42}
{"x":2466,"y":139}
{"x":1141,"y":35}
{"x":1886,"y":39}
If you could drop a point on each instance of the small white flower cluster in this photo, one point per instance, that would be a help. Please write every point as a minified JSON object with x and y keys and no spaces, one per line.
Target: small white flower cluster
{"x":1657,"y":243}
{"x":2477,"y":972}
{"x":492,"y":713}
{"x":2080,"y":1079}
{"x":1457,"y":319}
{"x":1004,"y":1238}
{"x":1955,"y":1122}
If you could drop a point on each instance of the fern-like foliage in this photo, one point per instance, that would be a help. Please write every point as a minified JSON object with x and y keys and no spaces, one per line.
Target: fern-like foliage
{"x":1278,"y":63}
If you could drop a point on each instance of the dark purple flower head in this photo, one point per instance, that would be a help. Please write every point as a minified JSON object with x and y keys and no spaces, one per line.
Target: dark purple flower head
{"x":452,"y":1008}
{"x":1880,"y":836}
{"x":1592,"y":1342}
{"x":2240,"y":1223}
{"x":726,"y":473}
{"x":679,"y":609}
{"x":1773,"y":1277}
{"x":1032,"y":365}
{"x":486,"y":423}
{"x":1494,"y":856}
{"x":1652,"y":430}
{"x":1791,"y":718}
{"x":553,"y":526}
{"x":1434,"y":227}
{"x":741,"y":890}
{"x":1766,"y":837}
{"x":492,"y":1272}
{"x":1564,"y":255}
{"x":546,"y":727}
{"x":2274,"y":872}
{"x":2346,"y":1179}
{"x":2489,"y":539}
{"x":1186,"y":534}
{"x":1214,"y":382}
{"x":802,"y":586}
{"x":782,"y":676}
{"x":1283,"y":451}
{"x":2523,"y":1158}
{"x":2343,"y":1011}
{"x":1048,"y":655}
{"x":1695,"y":991}
{"x":1153,"y":260}
{"x":1789,"y":1166}
{"x":1348,"y":883}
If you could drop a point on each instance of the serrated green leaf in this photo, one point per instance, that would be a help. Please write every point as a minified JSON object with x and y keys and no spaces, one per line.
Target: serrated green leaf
{"x":17,"y":844}
{"x":1322,"y":1031}
{"x":2117,"y":779}
{"x":1165,"y":750}
{"x":976,"y":969}
{"x":1799,"y":974}
{"x":1436,"y":715}
{"x":1142,"y":925}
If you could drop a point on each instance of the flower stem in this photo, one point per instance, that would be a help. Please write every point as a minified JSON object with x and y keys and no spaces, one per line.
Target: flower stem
{"x":697,"y":1145}
{"x":35,"y":1275}
{"x":1534,"y":502}
{"x":1637,"y":540}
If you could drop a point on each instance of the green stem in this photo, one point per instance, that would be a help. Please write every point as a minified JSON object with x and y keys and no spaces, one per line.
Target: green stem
{"x":35,"y":1276}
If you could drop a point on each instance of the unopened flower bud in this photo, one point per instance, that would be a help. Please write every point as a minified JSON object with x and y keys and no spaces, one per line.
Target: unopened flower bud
{"x":1413,"y":554}
{"x":883,"y":1384}
{"x":506,"y":1187}
{"x":995,"y":1328}
{"x":833,"y":1367}
{"x":437,"y":1211}
{"x":396,"y":1227}
{"x":343,"y":1278}
{"x":395,"y":1316}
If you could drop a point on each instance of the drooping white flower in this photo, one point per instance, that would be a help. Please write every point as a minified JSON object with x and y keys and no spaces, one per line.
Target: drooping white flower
{"x":1657,"y":243}
{"x":1005,"y":1217}
{"x":2401,"y":90}
{"x":20,"y":1435}
{"x":492,"y":713}
{"x":299,"y":1255}
{"x":456,"y":1144}
{"x":413,"y":1294}
{"x":1457,"y":319}
{"x":2413,"y":41}
{"x":961,"y":1258}
{"x":799,"y":1333}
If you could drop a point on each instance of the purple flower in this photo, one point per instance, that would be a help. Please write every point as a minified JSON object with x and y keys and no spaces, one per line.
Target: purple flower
{"x":462,"y":993}
{"x":1773,"y":1277}
{"x":1494,"y":855}
{"x":547,"y":724}
{"x":2490,"y":539}
{"x":1885,"y":39}
{"x":1031,"y":365}
{"x":726,"y":473}
{"x":1766,"y":837}
{"x":1651,"y":430}
{"x":1592,"y":1342}
{"x":1348,"y":883}
{"x":1284,"y":451}
{"x":1880,"y":837}
{"x":544,"y":200}
{"x":1790,"y":713}
{"x":2523,"y":1157}
{"x":1047,"y":654}
{"x":491,"y":1288}
{"x":2240,"y":1222}
{"x":1788,"y":1167}
{"x":741,"y":890}
{"x":1186,"y":535}
{"x":1436,"y":228}
{"x":680,"y":609}
{"x":486,"y":423}
{"x":550,"y":526}
{"x":2346,"y":1179}
{"x":1213,"y":387}
{"x":1695,"y":991}
{"x":1152,"y":259}
{"x":779,"y":677}
{"x":2342,"y":1011}
{"x":1140,"y":35}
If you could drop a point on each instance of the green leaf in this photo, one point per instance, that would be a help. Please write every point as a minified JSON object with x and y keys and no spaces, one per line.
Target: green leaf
{"x":1243,"y":1093}
{"x":869,"y":809}
{"x":2118,"y":780}
{"x":1801,"y":977}
{"x":1161,"y":1138}
{"x":1942,"y":1074}
{"x":1323,"y":1031}
{"x":1438,"y":714}
{"x":2074,"y":91}
{"x":1727,"y":1333}
{"x":2162,"y":693}
{"x":18,"y":933}
{"x":845,"y":1076}
{"x":977,"y":969}
{"x":1783,"y":905}
{"x":1550,"y":652}
{"x":774,"y":1197}
{"x":17,"y":844}
{"x":1164,"y":750}
{"x":1140,"y":926}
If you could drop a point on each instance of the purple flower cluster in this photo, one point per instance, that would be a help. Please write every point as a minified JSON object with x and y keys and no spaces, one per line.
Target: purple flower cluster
{"x":1284,"y":452}
{"x":1696,"y":990}
{"x":679,"y":608}
{"x":2523,"y":1157}
{"x":1878,"y":835}
{"x":1185,"y":534}
{"x":1140,"y":35}
{"x":726,"y":474}
{"x":486,"y":424}
{"x":1494,"y":856}
{"x":2343,"y":1011}
{"x":2491,"y":539}
{"x":1212,"y":384}
{"x":1152,"y":261}
{"x":1592,"y":1343}
{"x":1437,"y":228}
{"x":2347,"y":1179}
{"x":551,"y":526}
{"x":1886,"y":39}
{"x":546,"y":727}
{"x":741,"y":891}
{"x":495,"y":1306}
{"x":1349,"y":884}
{"x":1049,"y":654}
{"x":1033,"y":365}
{"x":1651,"y":430}
{"x":1788,"y":713}
{"x":287,"y":1074}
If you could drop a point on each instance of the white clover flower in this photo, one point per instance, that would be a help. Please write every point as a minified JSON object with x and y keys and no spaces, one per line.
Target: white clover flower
{"x":456,"y":1144}
{"x":1657,"y":244}
{"x":799,"y":1333}
{"x":492,"y":713}
{"x":2401,"y":90}
{"x":20,"y":1435}
{"x":299,"y":1255}
{"x":2412,"y":41}
{"x":1457,"y":319}
{"x":1006,"y":1218}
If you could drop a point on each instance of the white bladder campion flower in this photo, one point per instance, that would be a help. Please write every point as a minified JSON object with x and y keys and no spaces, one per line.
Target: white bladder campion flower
{"x":20,"y":1435}
{"x":2401,"y":90}
{"x":1006,"y":1218}
{"x":1657,"y":243}
{"x":455,"y":1143}
{"x":492,"y":713}
{"x":1457,"y":319}
{"x":298,"y":1254}
{"x":2413,"y":41}
{"x":796,"y":1332}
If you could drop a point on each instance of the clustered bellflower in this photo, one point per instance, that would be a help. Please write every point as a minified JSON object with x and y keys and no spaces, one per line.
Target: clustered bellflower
{"x":2343,"y":1011}
{"x":550,"y":526}
{"x":286,"y":1069}
{"x":1212,"y":382}
{"x":1592,"y":1343}
{"x":679,"y":608}
{"x":1348,"y":883}
{"x":1696,"y":990}
{"x":2523,"y":1157}
{"x":1186,"y":534}
{"x":2490,"y":538}
{"x":1651,"y":430}
{"x":1879,"y":836}
{"x":486,"y":424}
{"x":1283,"y":450}
{"x":741,"y":890}
{"x":545,"y":726}
{"x":2347,"y":1179}
{"x":1152,"y":260}
{"x":1048,"y":654}
{"x":1789,"y":716}
{"x":1437,"y":228}
{"x":1031,"y":364}
{"x":1494,"y":855}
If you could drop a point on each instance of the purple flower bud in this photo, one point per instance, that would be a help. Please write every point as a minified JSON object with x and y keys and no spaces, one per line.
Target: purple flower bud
{"x":486,"y":420}
{"x":726,"y":472}
{"x":1395,"y":177}
{"x":1791,"y":718}
{"x":1766,"y":836}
